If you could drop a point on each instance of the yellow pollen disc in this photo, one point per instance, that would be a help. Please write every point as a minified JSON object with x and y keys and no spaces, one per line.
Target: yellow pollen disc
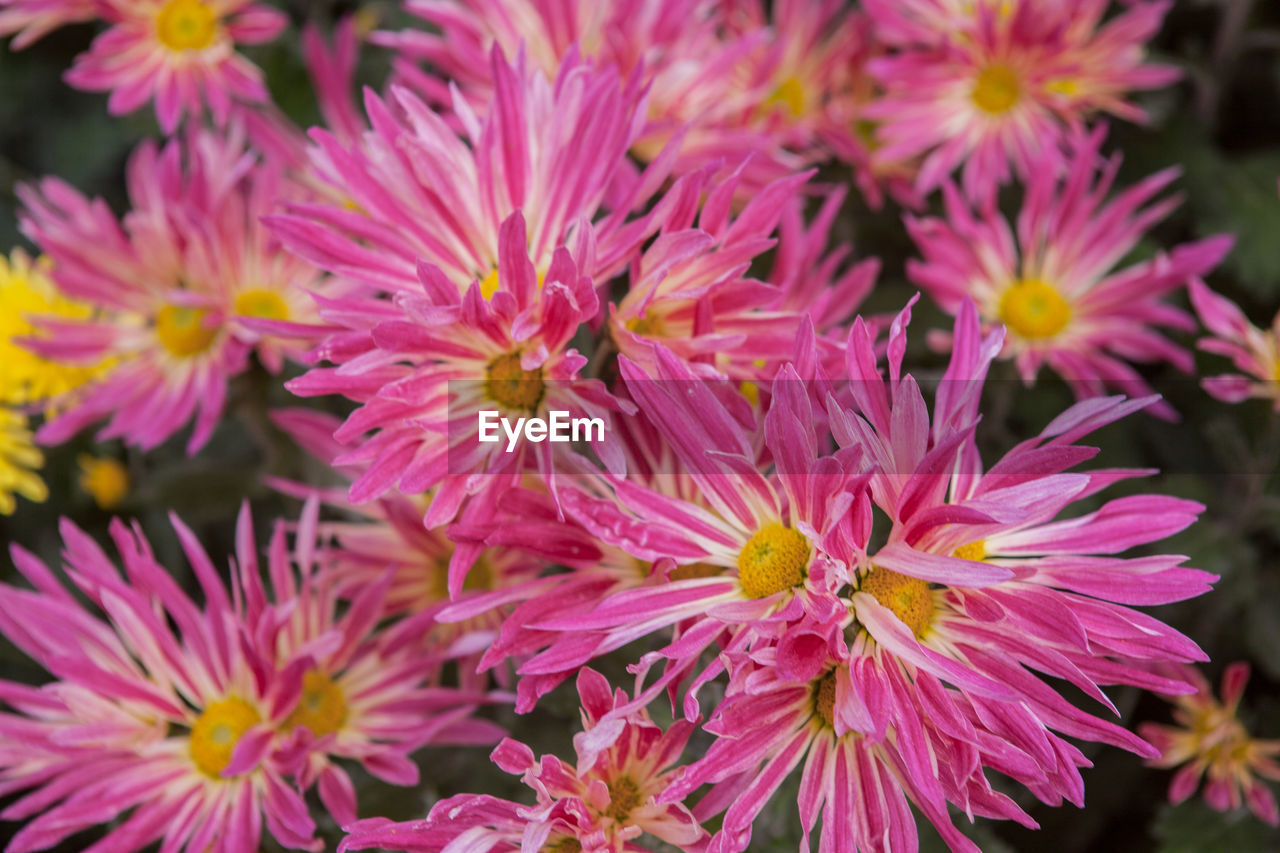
{"x":1034,"y":309}
{"x":751,"y":391}
{"x":321,"y":707}
{"x":489,"y":284}
{"x":773,"y":560}
{"x":695,"y":570}
{"x":513,"y":386}
{"x":182,"y":330}
{"x":910,"y":599}
{"x":976,"y":551}
{"x":479,"y":576}
{"x":266,"y":304}
{"x":648,"y":326}
{"x":217,"y":731}
{"x":187,"y":25}
{"x":624,"y":797}
{"x":997,"y":89}
{"x":790,"y":94}
{"x":824,"y":698}
{"x":104,"y":479}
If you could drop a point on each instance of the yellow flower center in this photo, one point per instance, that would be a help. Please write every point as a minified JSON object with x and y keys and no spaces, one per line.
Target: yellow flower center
{"x":976,"y":551}
{"x":563,"y":845}
{"x":1034,"y":309}
{"x":774,"y":559}
{"x":187,"y":25}
{"x":217,"y":731}
{"x":910,"y":599}
{"x":182,"y":330}
{"x":624,"y":797}
{"x":489,"y":284}
{"x":997,"y":89}
{"x":790,"y":94}
{"x":104,"y":479}
{"x":479,"y":576}
{"x":266,"y":304}
{"x":824,"y":698}
{"x":321,"y":707}
{"x":513,"y":386}
{"x":648,"y":326}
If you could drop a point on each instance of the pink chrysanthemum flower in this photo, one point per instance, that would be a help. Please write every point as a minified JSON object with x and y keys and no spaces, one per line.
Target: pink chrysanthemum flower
{"x":1050,"y":277}
{"x":1210,"y":740}
{"x":727,"y":81}
{"x":600,"y":806}
{"x":179,"y":52}
{"x":363,"y":697}
{"x":1004,"y":87}
{"x":29,"y":20}
{"x":1255,"y":352}
{"x":927,"y":673}
{"x":689,"y":292}
{"x":184,"y":288}
{"x":162,"y":716}
{"x":862,"y":787}
{"x":737,"y":553}
{"x":387,"y":536}
{"x":490,"y":253}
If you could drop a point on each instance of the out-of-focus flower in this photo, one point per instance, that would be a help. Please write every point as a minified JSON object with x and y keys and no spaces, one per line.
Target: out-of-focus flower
{"x":364,"y":696}
{"x":104,"y":479}
{"x":30,"y":20}
{"x":726,"y":81}
{"x":162,"y":715}
{"x":998,"y":85}
{"x":26,"y":292}
{"x":20,"y":461}
{"x":1254,"y":351}
{"x":183,"y":288}
{"x":602,"y":805}
{"x":1211,"y":741}
{"x":181,"y":53}
{"x":1050,"y":278}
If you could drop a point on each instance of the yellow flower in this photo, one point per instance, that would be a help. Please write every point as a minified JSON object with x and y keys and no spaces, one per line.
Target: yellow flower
{"x":25,"y":291}
{"x":106,"y":480}
{"x":19,"y":462}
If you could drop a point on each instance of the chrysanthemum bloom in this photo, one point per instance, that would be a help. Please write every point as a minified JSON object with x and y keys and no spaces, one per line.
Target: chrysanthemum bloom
{"x":609,"y":796}
{"x":178,"y":288}
{"x":689,"y":292}
{"x":361,"y":699}
{"x":179,"y":52}
{"x":20,"y":462}
{"x":386,"y":536}
{"x":162,"y":715}
{"x":104,"y":479}
{"x":1210,"y":739}
{"x":743,"y":553}
{"x":723,"y":78}
{"x":489,"y":252}
{"x":29,"y":20}
{"x":27,"y":292}
{"x":928,"y":673}
{"x":1255,"y":352}
{"x":1050,"y":278}
{"x":861,"y":786}
{"x":1006,"y":88}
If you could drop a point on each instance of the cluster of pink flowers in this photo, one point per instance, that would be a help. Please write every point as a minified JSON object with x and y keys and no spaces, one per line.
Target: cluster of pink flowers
{"x":614,"y":212}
